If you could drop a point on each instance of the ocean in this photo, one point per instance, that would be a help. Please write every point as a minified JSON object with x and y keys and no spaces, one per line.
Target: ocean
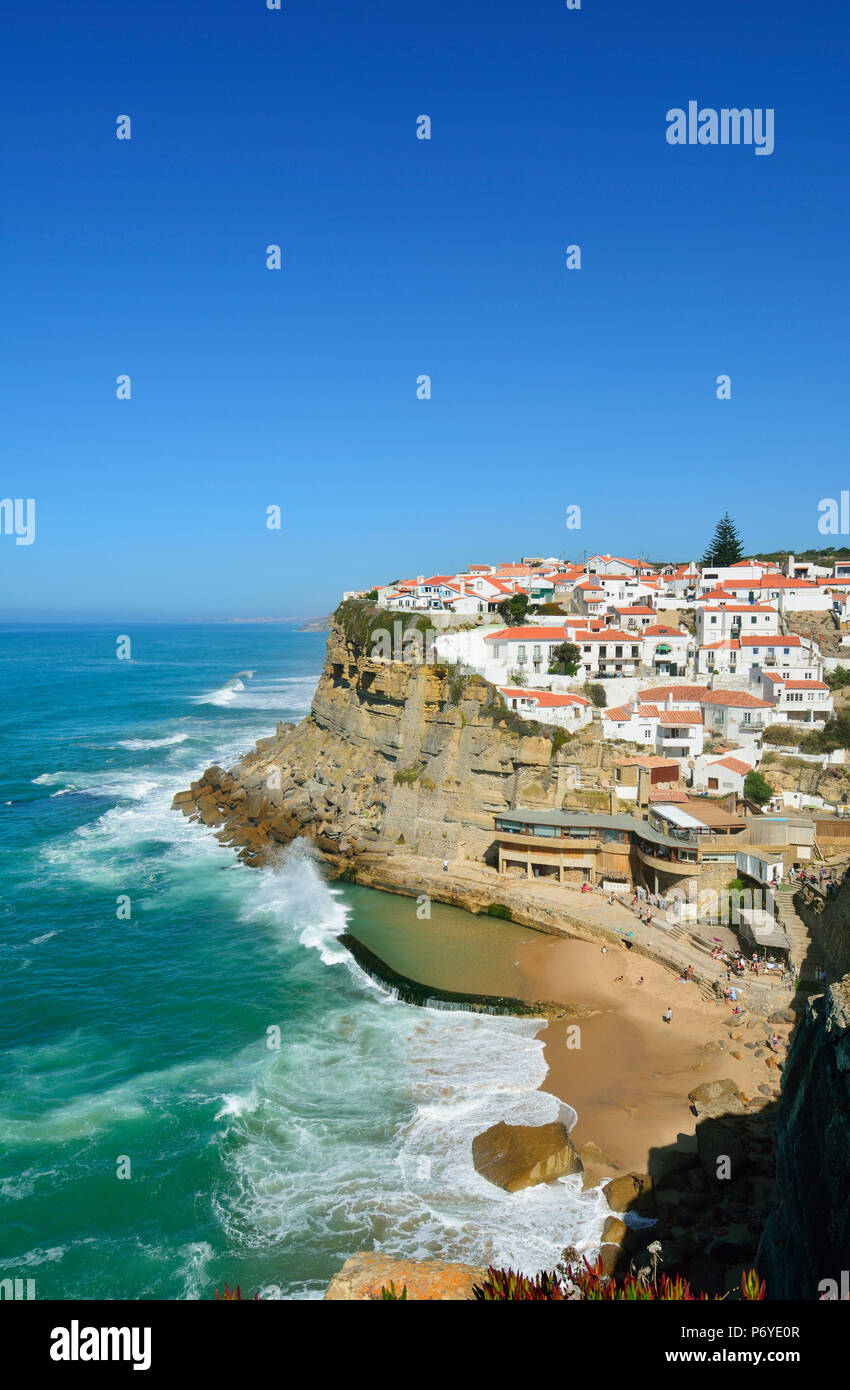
{"x":198,"y":1083}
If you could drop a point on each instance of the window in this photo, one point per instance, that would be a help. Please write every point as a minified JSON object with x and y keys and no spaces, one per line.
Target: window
{"x":521,"y":652}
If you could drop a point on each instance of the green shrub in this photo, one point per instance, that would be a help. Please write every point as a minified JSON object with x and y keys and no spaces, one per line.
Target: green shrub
{"x":757,"y":788}
{"x":782,"y":734}
{"x":596,"y":694}
{"x":408,"y":775}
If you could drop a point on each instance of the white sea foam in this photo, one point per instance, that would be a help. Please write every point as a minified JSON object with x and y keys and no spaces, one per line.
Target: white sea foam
{"x":226,"y":694}
{"x":358,"y":1134}
{"x":142,"y":745}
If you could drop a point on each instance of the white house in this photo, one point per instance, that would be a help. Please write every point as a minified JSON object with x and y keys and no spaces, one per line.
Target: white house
{"x":718,"y":658}
{"x":616,"y":564}
{"x":716,"y":622}
{"x":549,"y":707}
{"x":590,"y":597}
{"x":806,"y":700}
{"x":672,"y":733}
{"x":529,"y":649}
{"x":720,"y":775}
{"x":789,"y":594}
{"x":736,"y":716}
{"x":713,"y":575}
{"x":667,"y":651}
{"x":634,"y":617}
{"x":610,"y":652}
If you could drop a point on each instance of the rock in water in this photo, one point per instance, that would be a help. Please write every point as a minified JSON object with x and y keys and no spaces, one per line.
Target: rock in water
{"x":631,"y":1192}
{"x":365,"y":1274}
{"x":517,"y":1156}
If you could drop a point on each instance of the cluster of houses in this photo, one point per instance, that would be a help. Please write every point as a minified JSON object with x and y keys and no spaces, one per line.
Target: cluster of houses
{"x":696,"y":662}
{"x":696,"y":657}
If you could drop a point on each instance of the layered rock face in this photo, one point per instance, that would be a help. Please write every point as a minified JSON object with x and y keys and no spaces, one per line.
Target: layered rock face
{"x":394,"y":754}
{"x":807,"y":1240}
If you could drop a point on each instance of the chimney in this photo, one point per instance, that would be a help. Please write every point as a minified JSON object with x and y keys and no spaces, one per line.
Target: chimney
{"x":789,"y":568}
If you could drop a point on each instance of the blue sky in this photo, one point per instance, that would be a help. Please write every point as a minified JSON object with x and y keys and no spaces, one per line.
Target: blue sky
{"x":297,"y":388}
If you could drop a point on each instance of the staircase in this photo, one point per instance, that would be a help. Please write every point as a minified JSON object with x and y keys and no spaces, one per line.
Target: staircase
{"x":807,"y":956}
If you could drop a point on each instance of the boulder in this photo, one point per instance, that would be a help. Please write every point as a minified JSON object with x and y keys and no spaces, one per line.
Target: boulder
{"x":631,"y":1192}
{"x":365,"y":1274}
{"x":715,"y":1098}
{"x":517,"y":1156}
{"x":614,"y":1232}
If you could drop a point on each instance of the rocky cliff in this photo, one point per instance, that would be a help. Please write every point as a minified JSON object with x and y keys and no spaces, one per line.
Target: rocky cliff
{"x":807,"y":1239}
{"x":394,"y":753}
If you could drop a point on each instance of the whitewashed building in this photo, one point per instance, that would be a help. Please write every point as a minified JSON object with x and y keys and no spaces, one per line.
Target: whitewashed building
{"x":548,"y":706}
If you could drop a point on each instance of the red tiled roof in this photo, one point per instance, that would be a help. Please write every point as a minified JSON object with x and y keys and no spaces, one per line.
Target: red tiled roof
{"x":742,"y":608}
{"x":612,"y":634}
{"x":659,"y":630}
{"x":737,"y":699}
{"x":678,"y":692}
{"x":548,"y":698}
{"x":618,"y":713}
{"x":705,"y":696}
{"x":733,"y":764}
{"x":806,"y":685}
{"x":776,"y":639}
{"x":681,"y":717}
{"x":528,"y":634}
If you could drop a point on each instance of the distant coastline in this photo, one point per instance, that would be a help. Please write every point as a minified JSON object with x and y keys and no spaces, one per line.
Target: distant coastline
{"x":305,"y":624}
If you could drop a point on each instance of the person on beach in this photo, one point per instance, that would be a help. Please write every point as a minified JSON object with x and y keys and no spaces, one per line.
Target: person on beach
{"x":618,"y":978}
{"x":668,"y":1017}
{"x":445,"y":866}
{"x":639,"y":981}
{"x":604,"y":950}
{"x":774,"y":1042}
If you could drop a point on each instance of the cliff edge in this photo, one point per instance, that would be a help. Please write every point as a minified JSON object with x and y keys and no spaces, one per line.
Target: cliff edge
{"x":395,"y":753}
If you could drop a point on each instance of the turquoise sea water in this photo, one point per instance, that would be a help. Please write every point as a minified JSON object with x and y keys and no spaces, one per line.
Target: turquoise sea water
{"x":145,"y":1041}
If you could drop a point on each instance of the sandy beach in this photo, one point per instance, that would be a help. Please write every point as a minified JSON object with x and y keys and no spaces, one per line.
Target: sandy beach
{"x":629,"y":1078}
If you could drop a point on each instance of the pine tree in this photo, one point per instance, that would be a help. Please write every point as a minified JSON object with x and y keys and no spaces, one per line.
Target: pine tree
{"x":725,"y":546}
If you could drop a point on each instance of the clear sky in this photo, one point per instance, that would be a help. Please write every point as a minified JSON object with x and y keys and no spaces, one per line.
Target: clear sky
{"x":297,"y":388}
